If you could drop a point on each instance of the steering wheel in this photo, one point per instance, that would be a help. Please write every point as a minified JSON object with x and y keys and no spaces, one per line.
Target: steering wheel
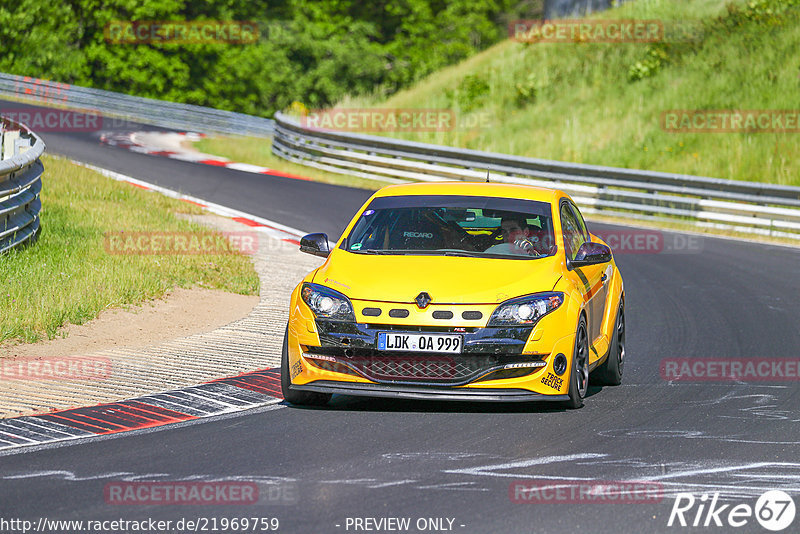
{"x":464,"y":238}
{"x":466,"y":242}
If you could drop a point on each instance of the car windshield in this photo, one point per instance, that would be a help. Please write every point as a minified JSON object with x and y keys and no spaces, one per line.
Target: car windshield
{"x":454,"y":226}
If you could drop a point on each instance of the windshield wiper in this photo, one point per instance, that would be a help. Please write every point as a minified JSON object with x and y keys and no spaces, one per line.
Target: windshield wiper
{"x":414,"y":252}
{"x":461,"y":253}
{"x":437,"y":252}
{"x":372,"y":251}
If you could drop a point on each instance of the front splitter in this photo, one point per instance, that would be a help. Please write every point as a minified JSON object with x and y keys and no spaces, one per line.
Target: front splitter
{"x":427,"y":393}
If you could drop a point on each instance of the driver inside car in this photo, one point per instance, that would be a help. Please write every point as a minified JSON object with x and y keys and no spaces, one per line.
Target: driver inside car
{"x":517,"y":238}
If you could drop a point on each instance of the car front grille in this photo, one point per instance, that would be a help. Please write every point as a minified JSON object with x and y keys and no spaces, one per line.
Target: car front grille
{"x":412,"y":368}
{"x":415,"y":368}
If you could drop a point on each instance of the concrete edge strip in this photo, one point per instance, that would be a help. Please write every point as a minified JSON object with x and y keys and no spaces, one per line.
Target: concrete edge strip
{"x":128,"y":142}
{"x":225,"y":395}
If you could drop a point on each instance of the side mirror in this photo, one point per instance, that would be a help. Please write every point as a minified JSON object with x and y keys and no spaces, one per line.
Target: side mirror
{"x":591,"y":253}
{"x":316,"y":244}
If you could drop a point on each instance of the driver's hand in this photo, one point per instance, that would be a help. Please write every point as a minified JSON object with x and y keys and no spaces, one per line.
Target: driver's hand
{"x":526,"y":244}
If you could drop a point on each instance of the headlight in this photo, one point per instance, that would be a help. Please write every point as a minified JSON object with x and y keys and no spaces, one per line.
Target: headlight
{"x":327,"y":303}
{"x":525,"y":310}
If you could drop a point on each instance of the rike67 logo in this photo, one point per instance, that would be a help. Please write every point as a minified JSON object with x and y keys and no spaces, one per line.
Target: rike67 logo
{"x":774,"y":510}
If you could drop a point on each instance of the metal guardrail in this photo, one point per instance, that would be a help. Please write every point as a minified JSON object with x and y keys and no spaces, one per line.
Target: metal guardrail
{"x":186,"y":117}
{"x":20,"y":184}
{"x":632,"y":194}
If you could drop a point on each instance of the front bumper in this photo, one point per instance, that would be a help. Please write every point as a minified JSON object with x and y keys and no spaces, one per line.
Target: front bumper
{"x":352,"y":348}
{"x":496,"y":364}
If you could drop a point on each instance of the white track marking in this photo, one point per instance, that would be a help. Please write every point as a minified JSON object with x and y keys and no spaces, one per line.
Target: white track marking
{"x":491,"y":470}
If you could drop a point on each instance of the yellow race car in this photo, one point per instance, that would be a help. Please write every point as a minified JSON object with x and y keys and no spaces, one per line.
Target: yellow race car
{"x":457,"y":291}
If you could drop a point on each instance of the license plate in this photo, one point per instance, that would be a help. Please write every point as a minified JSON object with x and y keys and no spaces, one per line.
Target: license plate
{"x":419,"y":342}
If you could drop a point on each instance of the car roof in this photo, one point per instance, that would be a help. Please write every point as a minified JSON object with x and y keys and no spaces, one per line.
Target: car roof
{"x":526,"y":192}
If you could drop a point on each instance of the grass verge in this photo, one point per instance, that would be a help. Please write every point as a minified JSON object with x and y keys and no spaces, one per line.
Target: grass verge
{"x":258,"y":151}
{"x":68,"y":277}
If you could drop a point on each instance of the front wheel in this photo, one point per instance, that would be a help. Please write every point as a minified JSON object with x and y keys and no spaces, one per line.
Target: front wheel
{"x":302,"y":398}
{"x":579,"y":373}
{"x":610,"y":372}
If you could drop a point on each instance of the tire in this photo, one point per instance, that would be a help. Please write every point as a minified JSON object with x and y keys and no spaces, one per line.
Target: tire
{"x":610,"y":372}
{"x":579,"y":370}
{"x":301,"y":398}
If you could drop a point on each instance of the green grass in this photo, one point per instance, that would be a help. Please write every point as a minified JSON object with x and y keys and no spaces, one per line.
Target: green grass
{"x":68,"y":277}
{"x":577,"y":101}
{"x":258,"y":151}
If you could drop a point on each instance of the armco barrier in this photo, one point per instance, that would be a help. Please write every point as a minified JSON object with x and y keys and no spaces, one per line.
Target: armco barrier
{"x":20,"y":183}
{"x":186,"y":117}
{"x":632,"y":194}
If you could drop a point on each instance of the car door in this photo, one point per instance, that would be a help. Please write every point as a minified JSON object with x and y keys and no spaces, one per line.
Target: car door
{"x":592,"y":278}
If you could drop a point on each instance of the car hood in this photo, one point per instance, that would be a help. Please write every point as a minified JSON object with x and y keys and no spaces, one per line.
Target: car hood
{"x":447,"y":279}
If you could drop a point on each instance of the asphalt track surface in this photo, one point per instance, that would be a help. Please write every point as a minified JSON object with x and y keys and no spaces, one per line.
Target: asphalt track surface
{"x":322,"y":468}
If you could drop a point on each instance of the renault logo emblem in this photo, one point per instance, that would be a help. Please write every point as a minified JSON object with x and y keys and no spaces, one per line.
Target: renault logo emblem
{"x":422,"y":300}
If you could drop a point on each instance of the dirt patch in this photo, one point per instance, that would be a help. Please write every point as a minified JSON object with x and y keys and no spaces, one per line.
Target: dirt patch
{"x":181,"y":313}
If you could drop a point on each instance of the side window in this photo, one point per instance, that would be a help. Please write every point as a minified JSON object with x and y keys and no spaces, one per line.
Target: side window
{"x":574,"y":234}
{"x":581,"y":222}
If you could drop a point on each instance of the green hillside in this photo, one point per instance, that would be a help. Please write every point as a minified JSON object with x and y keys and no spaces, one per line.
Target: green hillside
{"x":602,"y":103}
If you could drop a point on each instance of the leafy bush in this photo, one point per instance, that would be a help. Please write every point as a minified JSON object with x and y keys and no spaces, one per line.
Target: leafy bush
{"x":527,"y":91}
{"x":656,"y":57}
{"x":471,"y":93}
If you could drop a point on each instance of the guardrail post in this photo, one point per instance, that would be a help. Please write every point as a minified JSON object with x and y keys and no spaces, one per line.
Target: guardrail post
{"x":10,"y":139}
{"x":20,"y":146}
{"x":20,"y":183}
